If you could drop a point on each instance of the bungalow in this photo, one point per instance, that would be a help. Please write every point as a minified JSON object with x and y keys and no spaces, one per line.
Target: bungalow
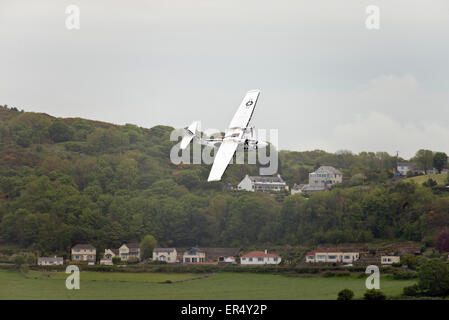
{"x":194,"y":255}
{"x":260,"y":258}
{"x":165,"y":254}
{"x":389,"y":260}
{"x":84,"y":252}
{"x":50,"y":261}
{"x":331,"y":256}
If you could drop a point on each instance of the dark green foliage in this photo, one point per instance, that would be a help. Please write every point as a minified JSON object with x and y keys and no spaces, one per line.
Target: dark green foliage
{"x":345,"y":295}
{"x":116,"y":260}
{"x":147,"y":246}
{"x":374,"y":294}
{"x":404,"y":275}
{"x":411,"y":291}
{"x":60,"y":132}
{"x":433,"y":278}
{"x":440,"y":161}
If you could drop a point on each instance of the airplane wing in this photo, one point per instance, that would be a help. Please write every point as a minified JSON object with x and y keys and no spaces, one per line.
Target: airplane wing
{"x":245,"y":110}
{"x":222,"y":158}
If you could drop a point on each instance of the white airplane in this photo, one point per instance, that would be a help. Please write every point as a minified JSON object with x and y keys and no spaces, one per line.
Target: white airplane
{"x":237,"y":135}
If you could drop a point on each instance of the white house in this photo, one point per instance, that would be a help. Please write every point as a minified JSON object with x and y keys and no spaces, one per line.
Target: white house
{"x":325,"y":176}
{"x":404,"y":167}
{"x":331,"y":256}
{"x":321,"y":179}
{"x":165,"y":254}
{"x":50,"y":261}
{"x":260,"y":258}
{"x":262,"y":183}
{"x":129,"y":251}
{"x":389,"y":260}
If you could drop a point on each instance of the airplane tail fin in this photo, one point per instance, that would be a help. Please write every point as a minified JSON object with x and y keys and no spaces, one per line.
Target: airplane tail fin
{"x":189,"y":134}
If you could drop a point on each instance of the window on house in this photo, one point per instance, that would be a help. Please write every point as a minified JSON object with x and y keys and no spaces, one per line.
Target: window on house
{"x":259,"y":259}
{"x":275,"y":259}
{"x":250,"y":259}
{"x":187,"y":259}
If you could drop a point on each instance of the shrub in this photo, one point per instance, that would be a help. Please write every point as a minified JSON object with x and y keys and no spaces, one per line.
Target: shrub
{"x":434,"y":278}
{"x":132,"y":260}
{"x":116,"y":260}
{"x":411,"y":291}
{"x":345,"y":294}
{"x":403,"y":275}
{"x":374,"y":294}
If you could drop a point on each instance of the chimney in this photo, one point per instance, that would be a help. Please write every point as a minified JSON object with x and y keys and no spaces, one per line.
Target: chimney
{"x":266,"y":251}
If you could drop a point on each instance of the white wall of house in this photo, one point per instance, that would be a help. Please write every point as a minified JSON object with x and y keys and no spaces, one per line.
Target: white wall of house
{"x":259,"y":260}
{"x":388,"y":260}
{"x":169,"y":257}
{"x":246,"y":184}
{"x":332,"y":257}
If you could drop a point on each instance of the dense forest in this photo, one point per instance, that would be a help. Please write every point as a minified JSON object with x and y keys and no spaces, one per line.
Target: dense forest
{"x":67,"y":181}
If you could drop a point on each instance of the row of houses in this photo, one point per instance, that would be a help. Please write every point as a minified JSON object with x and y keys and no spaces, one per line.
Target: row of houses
{"x":87,"y":253}
{"x":340,"y":257}
{"x":198,"y":256}
{"x":195,"y":255}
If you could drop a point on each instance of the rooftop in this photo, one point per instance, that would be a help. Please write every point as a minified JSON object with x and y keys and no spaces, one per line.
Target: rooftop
{"x":260,"y":254}
{"x":83,"y":246}
{"x":328,"y":169}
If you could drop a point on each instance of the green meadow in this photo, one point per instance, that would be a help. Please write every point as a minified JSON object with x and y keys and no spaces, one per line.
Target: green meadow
{"x":223,"y":285}
{"x":440,"y":178}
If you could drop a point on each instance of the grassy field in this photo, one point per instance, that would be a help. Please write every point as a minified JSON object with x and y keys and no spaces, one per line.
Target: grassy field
{"x":439,"y":178}
{"x":98,"y":285}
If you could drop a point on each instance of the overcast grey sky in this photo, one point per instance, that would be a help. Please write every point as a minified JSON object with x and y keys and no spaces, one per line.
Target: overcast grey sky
{"x":327,"y":81}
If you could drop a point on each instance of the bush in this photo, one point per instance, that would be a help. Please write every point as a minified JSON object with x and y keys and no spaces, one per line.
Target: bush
{"x":412,"y":262}
{"x":374,"y":294}
{"x":116,"y":260}
{"x":434,"y":278}
{"x":133,"y":260}
{"x":403,"y":275}
{"x":345,"y":294}
{"x":411,"y":291}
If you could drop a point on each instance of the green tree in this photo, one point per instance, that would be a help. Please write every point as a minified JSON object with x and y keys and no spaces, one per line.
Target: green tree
{"x":60,"y":132}
{"x":345,"y":294}
{"x":19,"y":260}
{"x":424,"y":159}
{"x":440,"y":161}
{"x":146,"y":247}
{"x":433,"y":278}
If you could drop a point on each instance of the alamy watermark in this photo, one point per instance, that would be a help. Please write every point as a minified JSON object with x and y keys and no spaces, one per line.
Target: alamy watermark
{"x":373,"y":281}
{"x":202,"y":150}
{"x":72,"y":21}
{"x":372,"y":21}
{"x":73,"y":280}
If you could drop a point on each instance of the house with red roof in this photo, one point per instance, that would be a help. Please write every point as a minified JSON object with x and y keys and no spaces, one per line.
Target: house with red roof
{"x":260,"y":258}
